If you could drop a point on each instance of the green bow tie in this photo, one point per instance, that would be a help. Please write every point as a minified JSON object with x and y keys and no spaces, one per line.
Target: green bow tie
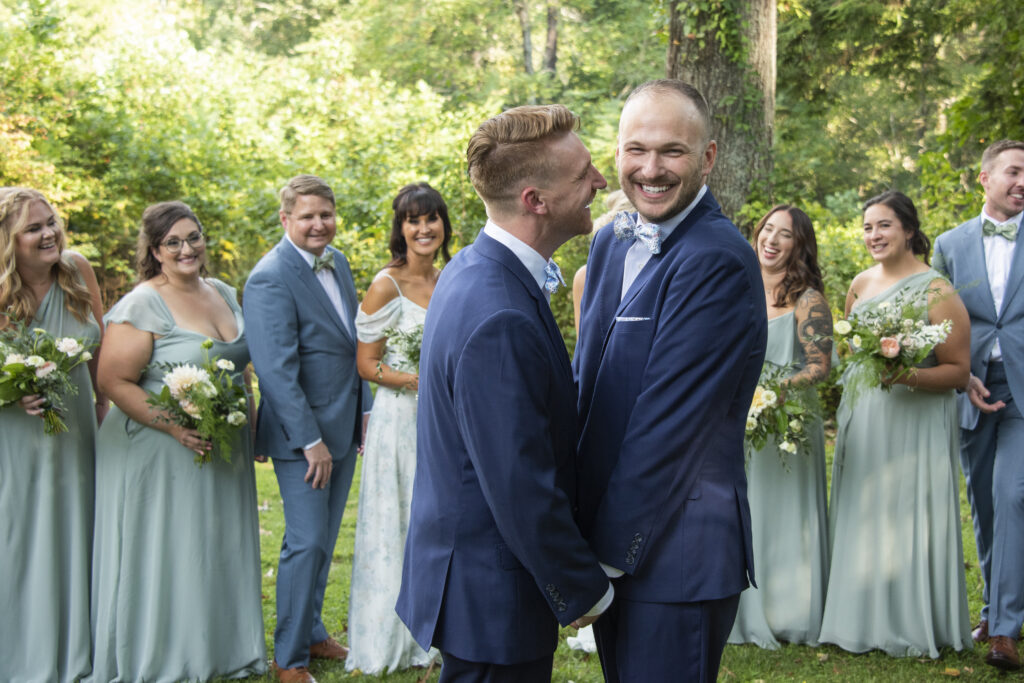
{"x":325,"y":260}
{"x":1007,"y":230}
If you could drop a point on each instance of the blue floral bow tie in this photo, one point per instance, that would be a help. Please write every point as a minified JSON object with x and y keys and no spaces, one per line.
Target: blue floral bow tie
{"x":1007,"y":230}
{"x":627,"y":228}
{"x":552,"y":277}
{"x":324,"y":260}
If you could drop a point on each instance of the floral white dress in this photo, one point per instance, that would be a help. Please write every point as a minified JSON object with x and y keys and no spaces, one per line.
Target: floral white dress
{"x":377,"y":639}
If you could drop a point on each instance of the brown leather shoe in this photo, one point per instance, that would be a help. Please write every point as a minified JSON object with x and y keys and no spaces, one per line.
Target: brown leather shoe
{"x":328,"y":649}
{"x":1003,"y":653}
{"x":980,"y":632}
{"x":298,"y":674}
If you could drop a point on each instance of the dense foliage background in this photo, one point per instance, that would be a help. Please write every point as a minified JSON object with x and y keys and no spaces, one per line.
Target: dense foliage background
{"x":109,"y":105}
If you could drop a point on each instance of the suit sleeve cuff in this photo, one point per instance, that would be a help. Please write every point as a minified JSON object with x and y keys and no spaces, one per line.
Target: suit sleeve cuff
{"x":602,"y":604}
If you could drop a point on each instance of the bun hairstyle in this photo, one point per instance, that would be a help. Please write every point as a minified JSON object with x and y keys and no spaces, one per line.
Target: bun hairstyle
{"x":904,"y":209}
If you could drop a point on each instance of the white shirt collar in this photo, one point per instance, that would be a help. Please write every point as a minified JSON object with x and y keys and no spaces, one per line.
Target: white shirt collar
{"x":669,"y":224}
{"x":527,"y":255}
{"x":308,"y":257}
{"x":1012,"y":219}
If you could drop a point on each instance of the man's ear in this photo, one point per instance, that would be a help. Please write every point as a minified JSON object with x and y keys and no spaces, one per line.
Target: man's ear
{"x":284,"y":217}
{"x":532,"y":201}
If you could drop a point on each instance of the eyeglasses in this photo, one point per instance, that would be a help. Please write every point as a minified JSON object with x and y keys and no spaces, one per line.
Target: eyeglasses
{"x":174,"y":245}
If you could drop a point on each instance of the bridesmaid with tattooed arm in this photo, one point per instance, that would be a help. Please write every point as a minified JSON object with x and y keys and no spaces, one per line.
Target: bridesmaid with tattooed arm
{"x":787,"y":494}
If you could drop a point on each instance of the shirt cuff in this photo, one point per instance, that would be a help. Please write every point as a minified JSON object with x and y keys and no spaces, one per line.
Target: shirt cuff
{"x":602,"y":604}
{"x":310,"y":445}
{"x":610,"y":571}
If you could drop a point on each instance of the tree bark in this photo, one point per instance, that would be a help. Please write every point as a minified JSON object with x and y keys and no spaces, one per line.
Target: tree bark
{"x":741,"y":95}
{"x":551,"y":47}
{"x":523,"y":13}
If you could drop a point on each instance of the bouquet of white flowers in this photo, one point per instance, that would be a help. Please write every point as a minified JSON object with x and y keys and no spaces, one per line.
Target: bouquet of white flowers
{"x":407,"y":343}
{"x":35,"y":362}
{"x":205,"y":398}
{"x":888,"y":340}
{"x":778,"y":413}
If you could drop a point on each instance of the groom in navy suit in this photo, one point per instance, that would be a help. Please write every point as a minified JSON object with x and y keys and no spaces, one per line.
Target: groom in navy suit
{"x":982,"y":259}
{"x":672,"y":339}
{"x":494,"y":560}
{"x":300,"y":304}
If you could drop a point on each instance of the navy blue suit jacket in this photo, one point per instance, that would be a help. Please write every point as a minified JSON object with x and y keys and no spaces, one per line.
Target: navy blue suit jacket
{"x":494,"y":560}
{"x":665,"y":378}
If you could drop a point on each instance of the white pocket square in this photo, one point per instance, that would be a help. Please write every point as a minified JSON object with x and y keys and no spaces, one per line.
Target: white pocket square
{"x":629,"y":319}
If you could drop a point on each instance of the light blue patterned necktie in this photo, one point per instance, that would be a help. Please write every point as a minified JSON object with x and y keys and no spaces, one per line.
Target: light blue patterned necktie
{"x":626,"y":228}
{"x":1007,"y":230}
{"x":324,"y":260}
{"x":552,"y":277}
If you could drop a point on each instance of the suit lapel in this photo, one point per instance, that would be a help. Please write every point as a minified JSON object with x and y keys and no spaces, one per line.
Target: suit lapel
{"x":974,"y":265}
{"x":308,"y":281}
{"x":496,"y":251}
{"x":1015,"y":276}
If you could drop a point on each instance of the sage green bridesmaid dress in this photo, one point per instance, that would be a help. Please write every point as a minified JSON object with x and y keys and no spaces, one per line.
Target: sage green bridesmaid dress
{"x":788,"y":524}
{"x":897,"y":577}
{"x":176,"y":564}
{"x":46,"y":508}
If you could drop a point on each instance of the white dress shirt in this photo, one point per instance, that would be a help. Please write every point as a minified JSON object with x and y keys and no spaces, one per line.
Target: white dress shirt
{"x":998,"y":258}
{"x":638,"y":254}
{"x":535,"y":264}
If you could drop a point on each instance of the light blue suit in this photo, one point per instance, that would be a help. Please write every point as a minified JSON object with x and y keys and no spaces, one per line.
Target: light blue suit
{"x":304,"y":355}
{"x":992,"y":445}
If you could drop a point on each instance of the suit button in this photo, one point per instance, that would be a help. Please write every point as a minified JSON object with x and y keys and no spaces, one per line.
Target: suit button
{"x":999,"y":326}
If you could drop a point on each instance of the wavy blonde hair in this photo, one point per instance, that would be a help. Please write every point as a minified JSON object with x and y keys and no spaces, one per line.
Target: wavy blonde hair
{"x":16,"y":300}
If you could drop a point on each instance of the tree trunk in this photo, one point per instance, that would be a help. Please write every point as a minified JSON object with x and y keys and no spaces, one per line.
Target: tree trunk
{"x":551,"y":47}
{"x":738,"y":80}
{"x":523,"y":13}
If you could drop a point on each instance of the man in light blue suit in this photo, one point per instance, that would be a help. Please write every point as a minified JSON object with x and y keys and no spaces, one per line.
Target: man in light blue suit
{"x":300,"y":304}
{"x":985,"y":264}
{"x":494,"y":560}
{"x":672,"y":339}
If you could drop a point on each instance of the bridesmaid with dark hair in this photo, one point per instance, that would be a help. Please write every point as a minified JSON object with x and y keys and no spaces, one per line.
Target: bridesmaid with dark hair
{"x":176,"y":563}
{"x":395,"y":303}
{"x":787,"y":490}
{"x":46,"y":482}
{"x":897,"y":576}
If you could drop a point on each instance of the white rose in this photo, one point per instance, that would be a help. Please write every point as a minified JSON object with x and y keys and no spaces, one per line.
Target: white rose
{"x":796,"y":426}
{"x":34,"y":361}
{"x":236,"y":418}
{"x":855,"y":342}
{"x":769,"y":397}
{"x":46,"y":368}
{"x":14,"y":358}
{"x":843,"y":327}
{"x":86,"y":356}
{"x":751,"y":423}
{"x":788,"y":446}
{"x":225,"y":364}
{"x":69,"y":346}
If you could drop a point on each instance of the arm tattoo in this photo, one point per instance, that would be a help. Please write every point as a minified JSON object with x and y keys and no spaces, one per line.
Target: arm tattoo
{"x":814,"y":330}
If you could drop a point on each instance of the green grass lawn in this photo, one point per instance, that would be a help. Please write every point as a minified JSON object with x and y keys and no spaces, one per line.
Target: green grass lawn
{"x":740,"y":663}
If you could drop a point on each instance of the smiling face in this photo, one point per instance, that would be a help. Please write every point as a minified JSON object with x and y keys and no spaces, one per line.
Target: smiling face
{"x":776,"y":242}
{"x":1004,"y":185}
{"x":573,"y":184}
{"x":423,"y":234}
{"x":190,"y":260}
{"x":663,"y":154}
{"x":311,"y":223}
{"x":884,"y":234}
{"x":39,"y":243}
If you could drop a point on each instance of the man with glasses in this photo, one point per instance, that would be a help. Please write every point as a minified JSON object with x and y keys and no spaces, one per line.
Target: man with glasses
{"x":300,"y":305}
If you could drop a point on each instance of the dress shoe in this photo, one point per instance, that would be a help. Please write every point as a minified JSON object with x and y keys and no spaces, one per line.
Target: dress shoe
{"x":328,"y":649}
{"x":980,"y":632}
{"x":298,"y":674}
{"x":1003,"y":653}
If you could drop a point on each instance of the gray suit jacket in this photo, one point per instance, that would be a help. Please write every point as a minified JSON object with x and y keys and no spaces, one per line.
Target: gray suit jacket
{"x":960,"y":255}
{"x":304,"y":356}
